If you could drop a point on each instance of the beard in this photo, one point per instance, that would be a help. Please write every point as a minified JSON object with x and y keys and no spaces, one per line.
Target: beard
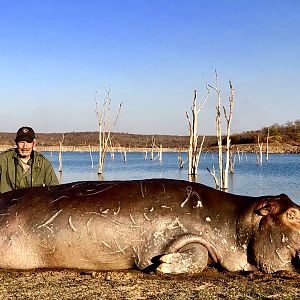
{"x":24,"y":153}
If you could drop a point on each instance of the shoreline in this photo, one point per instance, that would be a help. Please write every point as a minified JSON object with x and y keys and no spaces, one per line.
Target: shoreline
{"x":247,"y":148}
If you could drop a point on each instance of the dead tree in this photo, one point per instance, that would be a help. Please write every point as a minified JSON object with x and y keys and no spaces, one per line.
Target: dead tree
{"x":160,"y":153}
{"x":152,"y":148}
{"x":194,"y":152}
{"x":124,"y":154}
{"x":180,"y":160}
{"x":145,"y":154}
{"x":60,"y":168}
{"x":91,"y":156}
{"x":213,"y":174}
{"x":267,"y":145}
{"x":111,"y":148}
{"x":146,"y":151}
{"x":228,"y":119}
{"x":223,"y":170}
{"x":105,"y":126}
{"x":259,"y":153}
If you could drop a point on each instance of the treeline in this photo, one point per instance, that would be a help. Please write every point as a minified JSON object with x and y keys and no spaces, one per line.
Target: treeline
{"x":118,"y":139}
{"x":288,"y":133}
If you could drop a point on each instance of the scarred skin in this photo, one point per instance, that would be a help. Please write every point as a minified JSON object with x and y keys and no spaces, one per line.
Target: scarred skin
{"x":172,"y":226}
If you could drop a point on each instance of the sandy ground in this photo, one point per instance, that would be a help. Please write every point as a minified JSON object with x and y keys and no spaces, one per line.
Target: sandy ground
{"x":211,"y":284}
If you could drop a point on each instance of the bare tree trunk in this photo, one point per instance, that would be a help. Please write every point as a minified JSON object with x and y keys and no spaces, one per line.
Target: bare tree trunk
{"x":180,"y":160}
{"x":259,"y":154}
{"x":101,"y":152}
{"x":105,"y":127}
{"x":160,"y":153}
{"x":111,"y":150}
{"x":92,"y":161}
{"x":267,"y":147}
{"x":181,"y":163}
{"x":193,"y":153}
{"x":146,"y":151}
{"x":223,"y":172}
{"x":219,"y":133}
{"x":152,"y":148}
{"x":60,"y":168}
{"x":124,"y":155}
{"x":213,"y":174}
{"x":228,"y":140}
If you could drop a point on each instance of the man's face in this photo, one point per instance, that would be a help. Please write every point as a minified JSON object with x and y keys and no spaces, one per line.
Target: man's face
{"x":25,"y":148}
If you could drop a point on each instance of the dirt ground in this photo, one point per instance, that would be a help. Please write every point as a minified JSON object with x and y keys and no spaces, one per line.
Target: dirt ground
{"x":211,"y":284}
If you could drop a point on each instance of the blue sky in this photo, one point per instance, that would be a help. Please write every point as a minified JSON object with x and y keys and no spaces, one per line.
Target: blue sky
{"x":54,"y":56}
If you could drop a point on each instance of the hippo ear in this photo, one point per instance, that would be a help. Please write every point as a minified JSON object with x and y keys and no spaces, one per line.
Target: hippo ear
{"x":269,"y":208}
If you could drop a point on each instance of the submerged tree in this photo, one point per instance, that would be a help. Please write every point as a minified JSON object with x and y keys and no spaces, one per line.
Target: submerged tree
{"x":267,"y":145}
{"x":60,"y":168}
{"x":105,"y":126}
{"x":194,"y":151}
{"x":223,"y":170}
{"x":259,"y":152}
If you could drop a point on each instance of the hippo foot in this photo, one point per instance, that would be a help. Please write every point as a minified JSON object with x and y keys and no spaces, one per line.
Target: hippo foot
{"x":192,"y":259}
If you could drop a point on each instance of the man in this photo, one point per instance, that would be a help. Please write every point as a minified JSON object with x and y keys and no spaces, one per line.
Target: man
{"x":22,"y":167}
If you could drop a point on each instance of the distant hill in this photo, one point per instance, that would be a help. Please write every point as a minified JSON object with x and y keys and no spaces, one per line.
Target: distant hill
{"x":118,"y":139}
{"x":288,"y":133}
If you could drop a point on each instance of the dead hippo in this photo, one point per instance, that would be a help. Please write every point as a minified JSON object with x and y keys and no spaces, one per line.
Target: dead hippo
{"x":174,"y":226}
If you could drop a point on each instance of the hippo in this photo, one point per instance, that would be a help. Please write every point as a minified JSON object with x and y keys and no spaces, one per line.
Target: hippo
{"x":170,"y":226}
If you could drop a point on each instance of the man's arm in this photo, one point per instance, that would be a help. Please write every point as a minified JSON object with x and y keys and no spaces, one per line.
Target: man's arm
{"x":50,"y":176}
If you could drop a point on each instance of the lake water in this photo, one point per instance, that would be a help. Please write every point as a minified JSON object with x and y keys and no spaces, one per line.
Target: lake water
{"x":281,"y":174}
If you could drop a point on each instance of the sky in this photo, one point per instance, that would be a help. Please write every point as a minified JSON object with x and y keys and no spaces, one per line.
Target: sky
{"x":55,"y":56}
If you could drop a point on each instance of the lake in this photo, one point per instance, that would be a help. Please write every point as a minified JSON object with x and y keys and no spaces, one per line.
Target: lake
{"x":281,"y":174}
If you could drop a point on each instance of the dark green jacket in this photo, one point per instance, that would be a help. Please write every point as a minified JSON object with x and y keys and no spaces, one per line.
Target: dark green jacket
{"x":13,"y":177}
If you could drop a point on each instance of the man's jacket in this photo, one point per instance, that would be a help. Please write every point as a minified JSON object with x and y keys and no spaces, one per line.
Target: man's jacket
{"x":12,"y":176}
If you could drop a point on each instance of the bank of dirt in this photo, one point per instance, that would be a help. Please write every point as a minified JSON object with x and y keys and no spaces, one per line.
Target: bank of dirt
{"x":211,"y":284}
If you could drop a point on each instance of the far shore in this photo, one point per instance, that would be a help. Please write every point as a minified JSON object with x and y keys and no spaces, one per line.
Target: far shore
{"x":249,"y":148}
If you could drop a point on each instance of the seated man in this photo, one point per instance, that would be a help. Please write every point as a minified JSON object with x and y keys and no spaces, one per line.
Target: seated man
{"x":22,"y":167}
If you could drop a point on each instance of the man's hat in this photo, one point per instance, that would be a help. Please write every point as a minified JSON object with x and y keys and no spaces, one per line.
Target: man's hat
{"x":25,"y":134}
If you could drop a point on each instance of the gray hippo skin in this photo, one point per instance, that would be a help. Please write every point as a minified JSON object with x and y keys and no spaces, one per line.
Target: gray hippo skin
{"x":172,"y":226}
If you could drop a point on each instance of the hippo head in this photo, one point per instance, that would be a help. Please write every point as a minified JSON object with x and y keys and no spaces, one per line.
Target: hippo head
{"x":272,"y":234}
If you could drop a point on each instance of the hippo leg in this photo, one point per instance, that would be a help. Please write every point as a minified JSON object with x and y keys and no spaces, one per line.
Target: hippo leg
{"x":191,"y":258}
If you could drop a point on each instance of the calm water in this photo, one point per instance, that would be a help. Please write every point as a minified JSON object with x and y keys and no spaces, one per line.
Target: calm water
{"x":281,"y":174}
